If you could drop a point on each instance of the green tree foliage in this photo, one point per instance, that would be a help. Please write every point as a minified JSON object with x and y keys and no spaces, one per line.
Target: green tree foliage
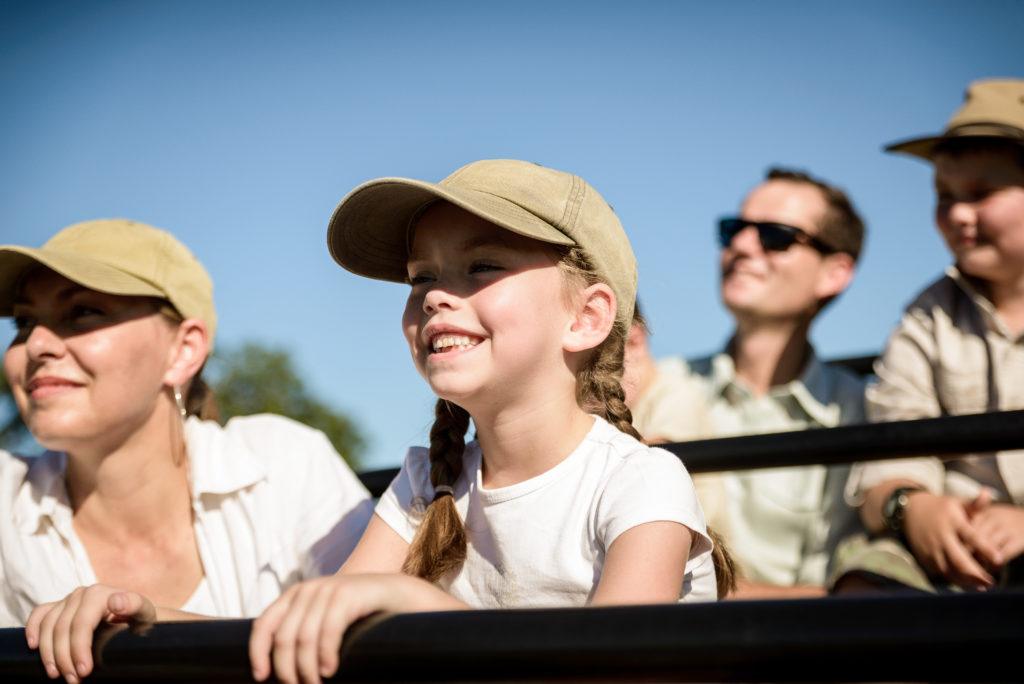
{"x":258,"y":379}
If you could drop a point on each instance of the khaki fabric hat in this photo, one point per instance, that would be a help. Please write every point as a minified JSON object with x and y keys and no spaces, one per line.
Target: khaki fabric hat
{"x":369,"y":231}
{"x":120,"y":257}
{"x":991,"y":109}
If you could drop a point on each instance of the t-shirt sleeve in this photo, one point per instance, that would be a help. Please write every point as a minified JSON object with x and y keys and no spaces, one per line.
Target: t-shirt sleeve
{"x":403,"y":504}
{"x":651,"y":485}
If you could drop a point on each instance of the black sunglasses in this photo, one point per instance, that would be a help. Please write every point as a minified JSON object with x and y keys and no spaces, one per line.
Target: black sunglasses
{"x":774,"y":237}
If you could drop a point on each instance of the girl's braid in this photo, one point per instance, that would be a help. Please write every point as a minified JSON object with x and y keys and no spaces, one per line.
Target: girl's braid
{"x":440,"y":542}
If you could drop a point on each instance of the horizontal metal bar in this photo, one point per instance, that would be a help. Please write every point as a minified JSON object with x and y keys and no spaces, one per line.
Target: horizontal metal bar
{"x":946,"y":437}
{"x":949,"y":638}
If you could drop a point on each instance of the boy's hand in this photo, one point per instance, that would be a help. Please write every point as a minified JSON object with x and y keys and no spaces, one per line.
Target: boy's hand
{"x":944,"y":539}
{"x":1002,"y":527}
{"x":63,"y":630}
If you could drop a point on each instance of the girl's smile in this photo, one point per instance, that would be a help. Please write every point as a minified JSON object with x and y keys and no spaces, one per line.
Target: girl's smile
{"x":485,"y":305}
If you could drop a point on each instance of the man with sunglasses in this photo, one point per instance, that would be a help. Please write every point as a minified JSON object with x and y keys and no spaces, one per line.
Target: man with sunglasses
{"x":790,"y":251}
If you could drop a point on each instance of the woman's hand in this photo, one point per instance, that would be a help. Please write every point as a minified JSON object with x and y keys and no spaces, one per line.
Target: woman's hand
{"x":944,"y":539}
{"x":63,"y":630}
{"x":300,"y":633}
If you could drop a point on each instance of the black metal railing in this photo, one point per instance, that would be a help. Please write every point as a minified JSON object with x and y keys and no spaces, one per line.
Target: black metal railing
{"x":946,"y":437}
{"x":967,"y":637}
{"x":906,"y":638}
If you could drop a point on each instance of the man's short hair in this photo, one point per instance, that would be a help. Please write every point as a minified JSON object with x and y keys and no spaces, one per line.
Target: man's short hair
{"x":842,"y":227}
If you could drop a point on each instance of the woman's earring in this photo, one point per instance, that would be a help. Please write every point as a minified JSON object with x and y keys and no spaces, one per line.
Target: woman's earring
{"x":180,"y":402}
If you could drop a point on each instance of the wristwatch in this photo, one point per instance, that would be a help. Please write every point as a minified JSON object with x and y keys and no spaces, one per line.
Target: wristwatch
{"x":895,"y":506}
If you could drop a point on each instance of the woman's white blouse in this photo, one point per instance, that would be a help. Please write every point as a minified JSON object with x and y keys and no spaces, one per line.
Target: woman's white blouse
{"x":272,"y":503}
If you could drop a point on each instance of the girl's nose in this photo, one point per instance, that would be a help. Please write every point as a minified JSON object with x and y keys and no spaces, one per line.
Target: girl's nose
{"x":438,"y":298}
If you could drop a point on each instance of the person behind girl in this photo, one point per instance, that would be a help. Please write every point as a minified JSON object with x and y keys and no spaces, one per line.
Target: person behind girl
{"x":114,"y":321}
{"x":522,"y":283}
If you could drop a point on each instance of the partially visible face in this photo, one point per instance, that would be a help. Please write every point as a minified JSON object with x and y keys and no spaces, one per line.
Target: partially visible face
{"x":84,"y":367}
{"x":980,"y":212}
{"x":487,"y":310}
{"x":772,"y":284}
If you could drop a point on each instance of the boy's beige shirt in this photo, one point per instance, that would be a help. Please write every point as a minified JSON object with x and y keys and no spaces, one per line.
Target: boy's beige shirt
{"x":950,"y":355}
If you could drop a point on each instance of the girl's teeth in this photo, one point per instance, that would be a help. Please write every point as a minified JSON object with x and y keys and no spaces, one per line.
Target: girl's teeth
{"x":449,"y":342}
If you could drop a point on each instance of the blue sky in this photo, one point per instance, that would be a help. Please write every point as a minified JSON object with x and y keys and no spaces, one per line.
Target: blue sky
{"x":239,"y":125}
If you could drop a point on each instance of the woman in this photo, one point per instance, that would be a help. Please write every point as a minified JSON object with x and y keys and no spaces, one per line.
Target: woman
{"x":114,"y":321}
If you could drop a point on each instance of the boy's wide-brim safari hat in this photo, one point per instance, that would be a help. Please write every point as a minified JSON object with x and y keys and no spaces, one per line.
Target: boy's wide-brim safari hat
{"x":118,"y":257}
{"x":991,"y":109}
{"x":369,"y":231}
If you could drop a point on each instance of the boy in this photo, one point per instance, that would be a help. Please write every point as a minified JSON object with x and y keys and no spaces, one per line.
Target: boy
{"x":959,"y":349}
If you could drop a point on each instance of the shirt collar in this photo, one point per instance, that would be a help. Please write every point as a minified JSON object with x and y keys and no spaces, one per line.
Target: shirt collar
{"x":221,"y":461}
{"x":985,"y":306}
{"x":43,"y":494}
{"x":812,"y":390}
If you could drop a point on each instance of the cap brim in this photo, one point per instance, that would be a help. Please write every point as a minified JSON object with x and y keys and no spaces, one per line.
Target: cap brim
{"x":368,"y":232}
{"x":17,"y":261}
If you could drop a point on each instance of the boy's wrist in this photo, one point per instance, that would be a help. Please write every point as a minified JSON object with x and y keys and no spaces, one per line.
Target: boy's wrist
{"x":894,"y":508}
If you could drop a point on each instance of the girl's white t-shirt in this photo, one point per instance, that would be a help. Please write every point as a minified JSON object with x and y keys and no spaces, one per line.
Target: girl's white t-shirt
{"x":542,"y":542}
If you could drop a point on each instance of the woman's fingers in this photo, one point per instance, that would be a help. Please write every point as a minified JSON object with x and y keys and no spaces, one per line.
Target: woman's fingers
{"x":46,"y":627}
{"x":35,"y":618}
{"x":62,"y":636}
{"x":128,"y":606}
{"x":261,"y":640}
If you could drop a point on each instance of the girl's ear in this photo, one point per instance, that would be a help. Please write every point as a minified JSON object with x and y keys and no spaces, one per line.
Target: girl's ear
{"x":188,"y":352}
{"x":594,"y":316}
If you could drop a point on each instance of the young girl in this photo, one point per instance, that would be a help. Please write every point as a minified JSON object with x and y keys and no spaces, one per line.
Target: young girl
{"x":522,"y":290}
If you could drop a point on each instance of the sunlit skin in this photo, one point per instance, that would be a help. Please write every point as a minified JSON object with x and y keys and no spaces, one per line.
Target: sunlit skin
{"x":501,"y":292}
{"x":91,"y":374}
{"x":82,"y":366}
{"x":760,"y":284}
{"x":979,"y":211}
{"x":774,"y":297}
{"x":514,"y":329}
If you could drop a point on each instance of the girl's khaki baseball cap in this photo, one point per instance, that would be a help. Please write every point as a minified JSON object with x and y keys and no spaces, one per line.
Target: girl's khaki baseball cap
{"x":119,"y":257}
{"x":992,"y":109}
{"x":369,"y":231}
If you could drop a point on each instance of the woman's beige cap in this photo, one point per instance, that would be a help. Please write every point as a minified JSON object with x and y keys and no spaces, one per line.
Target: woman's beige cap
{"x":120,"y":257}
{"x":991,"y":109}
{"x":368,"y":233}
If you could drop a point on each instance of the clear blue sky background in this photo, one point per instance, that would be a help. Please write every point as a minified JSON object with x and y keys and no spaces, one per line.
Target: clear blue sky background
{"x":239,"y":125}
